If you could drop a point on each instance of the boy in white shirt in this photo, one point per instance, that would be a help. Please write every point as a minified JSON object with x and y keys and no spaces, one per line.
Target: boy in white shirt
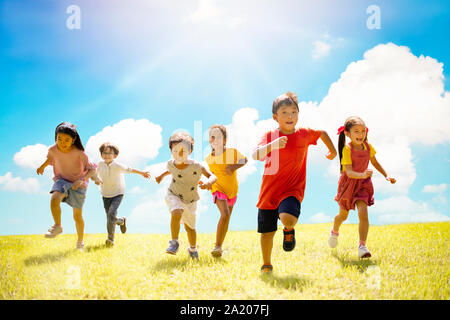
{"x":112,"y":186}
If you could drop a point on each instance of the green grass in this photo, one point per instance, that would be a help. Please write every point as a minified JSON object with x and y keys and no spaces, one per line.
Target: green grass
{"x":408,"y":262}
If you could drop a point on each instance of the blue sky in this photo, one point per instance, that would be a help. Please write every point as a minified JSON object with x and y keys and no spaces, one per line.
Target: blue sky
{"x":177,"y":63}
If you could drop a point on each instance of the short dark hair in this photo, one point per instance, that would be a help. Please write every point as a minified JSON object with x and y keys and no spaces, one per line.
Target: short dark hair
{"x":113,"y":147}
{"x":286,"y":99}
{"x":181,"y":136}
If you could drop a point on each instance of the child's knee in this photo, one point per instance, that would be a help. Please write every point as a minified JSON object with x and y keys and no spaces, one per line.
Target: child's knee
{"x":56,"y":198}
{"x":177,"y":212}
{"x":78,"y":216}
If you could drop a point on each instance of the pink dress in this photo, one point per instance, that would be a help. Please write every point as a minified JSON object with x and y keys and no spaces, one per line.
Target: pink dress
{"x":352,"y":190}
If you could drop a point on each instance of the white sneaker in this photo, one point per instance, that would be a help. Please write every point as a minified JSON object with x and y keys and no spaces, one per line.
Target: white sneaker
{"x":53,"y":231}
{"x":333,"y":240}
{"x":80,"y":246}
{"x":363,"y":252}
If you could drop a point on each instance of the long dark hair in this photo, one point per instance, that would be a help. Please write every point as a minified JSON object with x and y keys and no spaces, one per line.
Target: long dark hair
{"x":70,"y":129}
{"x":349,"y":123}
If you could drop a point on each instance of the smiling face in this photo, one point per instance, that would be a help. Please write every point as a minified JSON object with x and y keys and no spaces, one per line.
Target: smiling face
{"x":217,"y":140}
{"x":180,"y":152}
{"x":108,"y":155}
{"x":357,"y":134}
{"x":287,"y":117}
{"x":64,"y":142}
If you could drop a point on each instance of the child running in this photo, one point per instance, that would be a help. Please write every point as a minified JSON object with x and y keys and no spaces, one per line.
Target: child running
{"x":72,"y":171}
{"x":223,"y":163}
{"x":284,"y":151}
{"x":355,"y":184}
{"x":182,"y":195}
{"x":112,"y":187}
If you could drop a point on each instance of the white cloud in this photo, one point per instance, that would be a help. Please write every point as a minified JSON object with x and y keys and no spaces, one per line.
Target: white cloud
{"x":320,"y":49}
{"x":402,"y":209}
{"x":18,"y":184}
{"x":432,"y":188}
{"x":320,"y":218}
{"x":137,"y":140}
{"x":438,"y":190}
{"x":31,"y":156}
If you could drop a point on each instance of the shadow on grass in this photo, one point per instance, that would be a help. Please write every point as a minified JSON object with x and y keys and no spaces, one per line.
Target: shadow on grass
{"x":361,"y":264}
{"x":47,"y":258}
{"x":55,"y":257}
{"x":290,"y":282}
{"x":96,"y":248}
{"x":170,"y":263}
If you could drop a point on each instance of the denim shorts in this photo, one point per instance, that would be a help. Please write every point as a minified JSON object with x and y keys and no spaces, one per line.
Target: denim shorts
{"x":268,"y":218}
{"x":74,"y":198}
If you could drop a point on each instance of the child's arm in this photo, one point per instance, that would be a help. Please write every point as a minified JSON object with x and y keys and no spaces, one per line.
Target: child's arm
{"x":41,"y":169}
{"x":211,"y":179}
{"x":96,"y":179}
{"x":262,"y":151}
{"x":380,"y":169}
{"x":327,"y":141}
{"x":233,"y":167}
{"x":357,"y":175}
{"x":79,"y":182}
{"x":161,"y":176}
{"x":145,"y":174}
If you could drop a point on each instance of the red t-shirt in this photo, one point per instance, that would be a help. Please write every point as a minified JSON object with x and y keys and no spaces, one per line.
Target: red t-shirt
{"x":285,"y":169}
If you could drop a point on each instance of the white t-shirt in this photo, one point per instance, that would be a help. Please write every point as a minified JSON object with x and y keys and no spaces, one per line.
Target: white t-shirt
{"x":112,"y":178}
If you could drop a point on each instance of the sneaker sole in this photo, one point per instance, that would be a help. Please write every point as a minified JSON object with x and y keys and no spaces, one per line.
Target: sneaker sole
{"x":50,"y":236}
{"x":171,"y":252}
{"x":123,"y":227}
{"x":366,"y":255}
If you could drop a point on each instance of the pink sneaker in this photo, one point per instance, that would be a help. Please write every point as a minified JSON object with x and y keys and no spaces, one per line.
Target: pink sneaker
{"x":53,"y":231}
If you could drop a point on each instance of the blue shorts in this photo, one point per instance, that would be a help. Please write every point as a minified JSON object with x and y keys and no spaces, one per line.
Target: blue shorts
{"x":268,"y":218}
{"x":74,"y":198}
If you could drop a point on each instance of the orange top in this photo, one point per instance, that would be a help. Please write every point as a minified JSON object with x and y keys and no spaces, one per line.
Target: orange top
{"x":285,"y":169}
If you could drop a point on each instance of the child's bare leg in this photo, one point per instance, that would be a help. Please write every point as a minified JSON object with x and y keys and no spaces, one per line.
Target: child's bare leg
{"x":79,"y":223}
{"x":55,"y":206}
{"x":339,"y":219}
{"x":288,"y":220}
{"x":222,"y":226}
{"x":175,"y":223}
{"x":363,"y":221}
{"x":266,"y":246}
{"x":192,"y":235}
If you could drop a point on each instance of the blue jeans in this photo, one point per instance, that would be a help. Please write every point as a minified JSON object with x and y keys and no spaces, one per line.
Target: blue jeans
{"x":111,"y":206}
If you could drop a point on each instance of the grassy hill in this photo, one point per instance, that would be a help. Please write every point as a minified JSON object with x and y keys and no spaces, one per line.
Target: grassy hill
{"x":408,"y":262}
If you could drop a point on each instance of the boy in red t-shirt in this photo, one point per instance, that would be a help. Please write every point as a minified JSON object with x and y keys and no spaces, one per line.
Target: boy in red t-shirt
{"x":284,"y":151}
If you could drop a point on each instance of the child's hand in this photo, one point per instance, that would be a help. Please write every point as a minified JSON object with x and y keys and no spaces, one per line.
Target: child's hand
{"x":279,"y":143}
{"x":76,"y":184}
{"x":391,"y":180}
{"x":229,"y":170}
{"x":98,"y":181}
{"x":40,"y":170}
{"x":368,"y":173}
{"x":146,"y":175}
{"x":205,"y":185}
{"x":331,"y":155}
{"x":159,"y":179}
